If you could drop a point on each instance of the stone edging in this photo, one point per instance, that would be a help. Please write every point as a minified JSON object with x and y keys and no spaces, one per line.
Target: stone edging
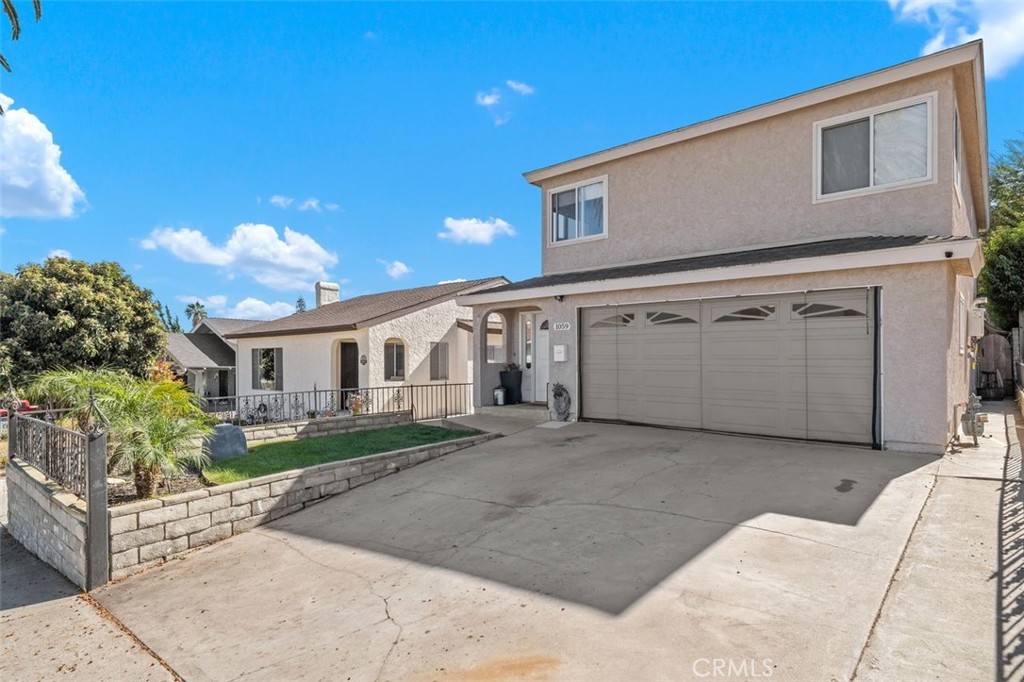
{"x":149,"y":531}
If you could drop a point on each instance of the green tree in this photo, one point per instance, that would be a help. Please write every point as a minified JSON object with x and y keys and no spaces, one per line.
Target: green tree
{"x":197,"y":312}
{"x":12,"y":18}
{"x":1002,"y":279}
{"x":170,"y":321}
{"x":1006,"y":185}
{"x":300,"y":305}
{"x":69,"y":313}
{"x":153,"y":427}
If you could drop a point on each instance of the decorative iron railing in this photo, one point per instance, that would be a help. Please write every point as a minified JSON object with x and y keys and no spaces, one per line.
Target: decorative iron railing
{"x":426,"y":401}
{"x":60,"y":453}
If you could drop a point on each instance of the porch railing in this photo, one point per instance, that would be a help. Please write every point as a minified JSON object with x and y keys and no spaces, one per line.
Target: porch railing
{"x":426,"y":401}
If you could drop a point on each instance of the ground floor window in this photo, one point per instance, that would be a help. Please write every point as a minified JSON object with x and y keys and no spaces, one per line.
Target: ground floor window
{"x":267,"y":369}
{"x":394,"y":360}
{"x":439,"y":361}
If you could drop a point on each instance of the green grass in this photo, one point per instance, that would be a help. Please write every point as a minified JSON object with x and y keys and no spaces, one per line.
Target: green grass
{"x":297,"y":454}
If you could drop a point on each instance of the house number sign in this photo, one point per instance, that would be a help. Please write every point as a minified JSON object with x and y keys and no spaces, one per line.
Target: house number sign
{"x":563,"y":326}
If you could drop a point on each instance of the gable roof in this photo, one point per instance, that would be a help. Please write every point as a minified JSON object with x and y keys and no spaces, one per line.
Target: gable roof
{"x":222,"y":326}
{"x":746,"y":263}
{"x":969,"y":53}
{"x":199,"y":351}
{"x":363,"y":311}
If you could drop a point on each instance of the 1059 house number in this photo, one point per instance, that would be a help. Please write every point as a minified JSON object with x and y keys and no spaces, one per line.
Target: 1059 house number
{"x":563,"y":326}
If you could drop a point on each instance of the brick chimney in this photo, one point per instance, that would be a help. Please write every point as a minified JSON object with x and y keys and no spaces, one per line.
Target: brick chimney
{"x":327,"y":292}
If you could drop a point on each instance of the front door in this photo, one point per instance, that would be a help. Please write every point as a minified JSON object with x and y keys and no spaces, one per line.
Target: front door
{"x":225,"y":385}
{"x":349,"y":364}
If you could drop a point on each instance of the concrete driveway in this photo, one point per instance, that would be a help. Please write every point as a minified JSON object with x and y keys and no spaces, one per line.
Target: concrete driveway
{"x":589,"y":552}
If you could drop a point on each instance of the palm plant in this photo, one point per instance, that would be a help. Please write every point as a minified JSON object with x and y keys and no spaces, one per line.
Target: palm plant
{"x":154,"y":427}
{"x":196,"y":311}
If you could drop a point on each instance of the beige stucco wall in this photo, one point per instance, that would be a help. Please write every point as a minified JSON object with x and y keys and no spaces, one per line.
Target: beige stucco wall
{"x":418,"y":330}
{"x":315,"y":358}
{"x":752,"y":185}
{"x":919,"y":387}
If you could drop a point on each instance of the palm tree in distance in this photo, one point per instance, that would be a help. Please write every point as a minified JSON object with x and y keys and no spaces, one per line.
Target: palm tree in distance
{"x":12,"y":19}
{"x":196,"y":311}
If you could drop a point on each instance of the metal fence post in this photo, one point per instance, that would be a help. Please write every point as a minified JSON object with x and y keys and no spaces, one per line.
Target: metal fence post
{"x":97,"y":537}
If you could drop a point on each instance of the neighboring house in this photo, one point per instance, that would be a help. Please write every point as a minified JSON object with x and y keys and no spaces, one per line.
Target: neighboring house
{"x":205,"y":358}
{"x":406,"y":337}
{"x":802,"y":269}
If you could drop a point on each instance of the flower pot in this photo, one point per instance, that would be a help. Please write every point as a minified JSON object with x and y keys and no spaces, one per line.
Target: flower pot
{"x":512,"y":382}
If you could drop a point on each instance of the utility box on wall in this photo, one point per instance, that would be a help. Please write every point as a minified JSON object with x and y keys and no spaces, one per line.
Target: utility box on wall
{"x":559,"y":352}
{"x":976,"y":323}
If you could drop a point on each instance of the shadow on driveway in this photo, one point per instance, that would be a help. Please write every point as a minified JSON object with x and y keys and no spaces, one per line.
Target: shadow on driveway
{"x":600,"y":514}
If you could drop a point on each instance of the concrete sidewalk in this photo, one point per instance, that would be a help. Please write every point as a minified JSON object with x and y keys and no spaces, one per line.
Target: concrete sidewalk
{"x":48,"y":631}
{"x":953,"y":611}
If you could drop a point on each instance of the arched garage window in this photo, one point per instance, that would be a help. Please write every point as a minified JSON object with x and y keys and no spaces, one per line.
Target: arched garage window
{"x":394,"y":360}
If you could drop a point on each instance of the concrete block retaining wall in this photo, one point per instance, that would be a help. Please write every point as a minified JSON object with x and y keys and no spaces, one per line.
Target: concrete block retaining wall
{"x":149,"y":531}
{"x":47,"y":519}
{"x":331,"y":426}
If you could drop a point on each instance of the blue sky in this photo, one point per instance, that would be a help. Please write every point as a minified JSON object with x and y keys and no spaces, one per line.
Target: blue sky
{"x":237,"y":152}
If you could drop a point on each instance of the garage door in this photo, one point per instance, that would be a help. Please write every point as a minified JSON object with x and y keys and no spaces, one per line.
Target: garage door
{"x":792,"y":365}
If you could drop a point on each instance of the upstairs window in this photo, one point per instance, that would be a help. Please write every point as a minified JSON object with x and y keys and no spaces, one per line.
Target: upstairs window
{"x":394,"y":360}
{"x":579,"y":211}
{"x":875,"y":150}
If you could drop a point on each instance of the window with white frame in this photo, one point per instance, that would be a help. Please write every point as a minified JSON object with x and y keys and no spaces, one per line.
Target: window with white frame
{"x":875,"y":150}
{"x":579,"y":211}
{"x":394,"y":360}
{"x":439,"y":361}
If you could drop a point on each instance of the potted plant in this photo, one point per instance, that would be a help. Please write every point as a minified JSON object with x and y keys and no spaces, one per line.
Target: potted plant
{"x":512,"y":382}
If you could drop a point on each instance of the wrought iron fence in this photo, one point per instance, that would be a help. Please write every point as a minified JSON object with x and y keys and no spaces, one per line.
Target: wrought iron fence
{"x":426,"y":401}
{"x":60,"y":453}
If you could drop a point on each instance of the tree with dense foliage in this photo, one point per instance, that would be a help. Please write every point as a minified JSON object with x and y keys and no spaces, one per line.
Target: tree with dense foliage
{"x":1002,"y":279}
{"x":300,"y":305}
{"x":1006,"y":186}
{"x":170,"y":321}
{"x":154,"y":427}
{"x":197,"y":312}
{"x":69,"y":313}
{"x":12,"y":18}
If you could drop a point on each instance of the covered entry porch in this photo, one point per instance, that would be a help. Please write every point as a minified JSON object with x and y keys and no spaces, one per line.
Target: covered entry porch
{"x":518,"y":335}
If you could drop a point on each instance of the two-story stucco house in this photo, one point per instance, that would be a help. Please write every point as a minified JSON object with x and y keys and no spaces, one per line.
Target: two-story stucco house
{"x":801,"y":269}
{"x":394,"y":338}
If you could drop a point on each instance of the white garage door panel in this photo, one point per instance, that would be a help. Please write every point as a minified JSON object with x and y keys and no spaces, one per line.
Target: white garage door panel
{"x":794,"y":365}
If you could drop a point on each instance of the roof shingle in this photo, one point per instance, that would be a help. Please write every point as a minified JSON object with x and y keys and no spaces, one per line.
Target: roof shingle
{"x":355,"y":312}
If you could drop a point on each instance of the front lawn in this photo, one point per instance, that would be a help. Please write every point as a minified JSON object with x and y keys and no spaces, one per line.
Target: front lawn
{"x":297,"y":454}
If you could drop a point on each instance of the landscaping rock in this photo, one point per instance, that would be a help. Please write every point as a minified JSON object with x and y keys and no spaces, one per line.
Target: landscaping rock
{"x":226,"y":442}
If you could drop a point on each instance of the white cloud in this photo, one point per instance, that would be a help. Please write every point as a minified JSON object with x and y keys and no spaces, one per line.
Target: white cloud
{"x":488,"y":99}
{"x":248,"y":308}
{"x":503,"y":119}
{"x":32,"y":181}
{"x":59,"y":253}
{"x":310,"y":204}
{"x":520,"y":87}
{"x":395,"y":268}
{"x":256,"y":250}
{"x":953,"y":22}
{"x":280,"y":201}
{"x":474,"y":230}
